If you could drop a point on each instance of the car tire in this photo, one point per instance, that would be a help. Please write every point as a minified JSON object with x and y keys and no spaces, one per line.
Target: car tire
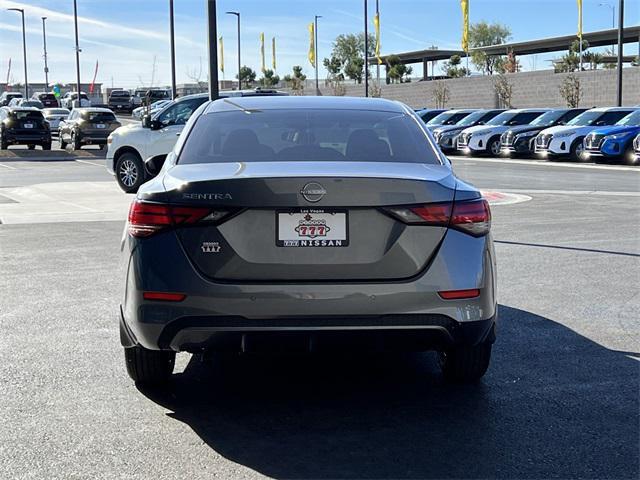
{"x":31,"y":147}
{"x":465,"y":363}
{"x":149,"y":367}
{"x":76,"y":142}
{"x":130,"y":172}
{"x":577,"y":148}
{"x":493,"y":147}
{"x":63,"y":144}
{"x":3,"y":144}
{"x":46,"y":146}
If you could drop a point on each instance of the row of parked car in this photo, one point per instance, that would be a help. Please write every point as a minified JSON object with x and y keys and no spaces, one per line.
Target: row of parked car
{"x":43,"y":100}
{"x":577,"y":134}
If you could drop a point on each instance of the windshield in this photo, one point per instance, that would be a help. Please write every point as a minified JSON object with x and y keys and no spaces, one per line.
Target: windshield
{"x":307,"y":135}
{"x":501,"y":119}
{"x":592,"y":117}
{"x":631,"y":120}
{"x":447,"y":118}
{"x":549,"y":118}
{"x":471,"y":119}
{"x":514,"y":118}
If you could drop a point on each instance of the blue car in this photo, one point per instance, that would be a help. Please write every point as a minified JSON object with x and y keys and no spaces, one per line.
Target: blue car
{"x":614,"y":142}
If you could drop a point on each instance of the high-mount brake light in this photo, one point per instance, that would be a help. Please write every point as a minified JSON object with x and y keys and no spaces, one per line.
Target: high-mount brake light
{"x":146,"y":219}
{"x":470,"y":216}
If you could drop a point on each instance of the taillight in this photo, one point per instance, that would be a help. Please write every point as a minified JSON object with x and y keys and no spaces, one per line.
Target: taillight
{"x":145,"y":219}
{"x":471,"y":216}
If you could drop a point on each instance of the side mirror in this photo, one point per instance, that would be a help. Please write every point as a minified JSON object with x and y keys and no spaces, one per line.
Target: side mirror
{"x":481,"y":122}
{"x":153,"y":165}
{"x":562,"y":122}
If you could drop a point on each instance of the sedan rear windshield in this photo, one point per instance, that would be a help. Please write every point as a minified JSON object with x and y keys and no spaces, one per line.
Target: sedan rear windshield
{"x":26,"y":115}
{"x":46,"y":96}
{"x":96,"y":117}
{"x":307,"y":135}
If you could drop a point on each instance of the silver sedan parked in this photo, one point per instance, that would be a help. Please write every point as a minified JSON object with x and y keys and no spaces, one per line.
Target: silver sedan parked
{"x":309,"y":224}
{"x":54,"y":116}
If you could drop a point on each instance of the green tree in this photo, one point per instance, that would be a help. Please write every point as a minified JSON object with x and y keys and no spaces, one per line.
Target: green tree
{"x":452,"y":67}
{"x":269,"y":79}
{"x":348,"y":49}
{"x":570,"y":62}
{"x":335,"y":77}
{"x":247,"y":76}
{"x":397,"y":72}
{"x":570,"y":90}
{"x":296,"y":80}
{"x":483,"y":34}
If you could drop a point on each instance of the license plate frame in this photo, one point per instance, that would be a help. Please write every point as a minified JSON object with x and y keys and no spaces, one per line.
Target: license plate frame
{"x":339,"y":225}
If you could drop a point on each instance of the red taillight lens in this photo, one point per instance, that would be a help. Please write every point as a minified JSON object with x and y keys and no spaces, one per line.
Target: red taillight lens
{"x":459,"y":294}
{"x":472,"y":217}
{"x":145,"y":219}
{"x":164,"y":296}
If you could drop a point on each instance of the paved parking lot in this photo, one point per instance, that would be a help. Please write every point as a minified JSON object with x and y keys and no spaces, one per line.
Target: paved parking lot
{"x":560,"y":400}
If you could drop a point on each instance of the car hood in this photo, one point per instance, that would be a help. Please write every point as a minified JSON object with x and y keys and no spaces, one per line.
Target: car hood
{"x":128,"y":129}
{"x":525,"y":128}
{"x":449,"y":129}
{"x":486,"y":130}
{"x":616,"y":129}
{"x":567,"y":128}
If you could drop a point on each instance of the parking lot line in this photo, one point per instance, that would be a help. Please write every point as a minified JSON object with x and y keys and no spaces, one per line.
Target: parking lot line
{"x":7,"y":166}
{"x":89,"y":162}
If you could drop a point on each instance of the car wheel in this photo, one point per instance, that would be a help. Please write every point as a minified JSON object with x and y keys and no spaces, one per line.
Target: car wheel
{"x":630,"y":157}
{"x":76,"y":143}
{"x":31,"y":147}
{"x":129,"y":172}
{"x":465,"y":363}
{"x":493,"y":147}
{"x":3,"y":144}
{"x":149,"y":367}
{"x":577,"y":149}
{"x":46,"y":146}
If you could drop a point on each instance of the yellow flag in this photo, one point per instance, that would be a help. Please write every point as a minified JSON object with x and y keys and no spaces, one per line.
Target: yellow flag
{"x":376,"y":23}
{"x":221,"y":54}
{"x":273,"y":53}
{"x":465,"y":25}
{"x":579,"y":19}
{"x":312,"y":46}
{"x":262,"y":65}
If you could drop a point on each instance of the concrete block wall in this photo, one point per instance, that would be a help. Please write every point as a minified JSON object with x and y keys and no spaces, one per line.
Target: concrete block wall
{"x":530,"y":89}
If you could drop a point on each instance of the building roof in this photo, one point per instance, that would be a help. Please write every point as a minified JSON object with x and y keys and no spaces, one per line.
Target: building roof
{"x":598,"y":38}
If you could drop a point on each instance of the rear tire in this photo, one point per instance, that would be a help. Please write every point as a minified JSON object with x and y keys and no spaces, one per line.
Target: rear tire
{"x":149,"y":367}
{"x":76,"y":143}
{"x":130,"y":172}
{"x":465,"y":363}
{"x":3,"y":144}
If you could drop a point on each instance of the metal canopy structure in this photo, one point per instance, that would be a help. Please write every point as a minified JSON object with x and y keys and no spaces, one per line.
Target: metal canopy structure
{"x":599,"y":38}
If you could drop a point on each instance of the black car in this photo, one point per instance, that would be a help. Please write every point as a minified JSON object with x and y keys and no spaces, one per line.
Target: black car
{"x":447,"y":135}
{"x":154,"y":95}
{"x":519,"y":140}
{"x":427,"y":114}
{"x":120,"y":101}
{"x":48,"y":99}
{"x":6,"y":97}
{"x":87,"y":126}
{"x":24,"y":126}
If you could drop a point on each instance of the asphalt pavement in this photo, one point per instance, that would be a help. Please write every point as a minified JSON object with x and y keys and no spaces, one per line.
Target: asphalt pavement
{"x":560,"y":400}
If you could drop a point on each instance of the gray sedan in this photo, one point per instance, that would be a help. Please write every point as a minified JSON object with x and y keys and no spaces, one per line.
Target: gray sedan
{"x":307,"y":224}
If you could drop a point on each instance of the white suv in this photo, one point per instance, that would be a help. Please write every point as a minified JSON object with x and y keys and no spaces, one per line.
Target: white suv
{"x":129,"y":146}
{"x":486,"y":138}
{"x":566,"y":140}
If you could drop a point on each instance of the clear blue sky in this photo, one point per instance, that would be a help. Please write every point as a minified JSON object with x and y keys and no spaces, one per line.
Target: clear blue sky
{"x":125,"y":35}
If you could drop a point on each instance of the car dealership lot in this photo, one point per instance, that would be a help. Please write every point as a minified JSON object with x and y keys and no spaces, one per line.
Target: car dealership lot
{"x":560,"y":398}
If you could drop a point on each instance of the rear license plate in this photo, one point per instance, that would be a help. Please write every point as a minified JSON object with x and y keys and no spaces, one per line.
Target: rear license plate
{"x":28,"y":125}
{"x":309,"y":227}
{"x":100,"y":125}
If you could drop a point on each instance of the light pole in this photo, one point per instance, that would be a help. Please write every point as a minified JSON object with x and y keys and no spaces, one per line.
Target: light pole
{"x":315,"y":43}
{"x":213,"y":50}
{"x":237,"y":14}
{"x":24,"y":51}
{"x":613,"y":18}
{"x":173,"y":52}
{"x":46,"y":68}
{"x":366,"y":51}
{"x":75,"y":22}
{"x":620,"y":45}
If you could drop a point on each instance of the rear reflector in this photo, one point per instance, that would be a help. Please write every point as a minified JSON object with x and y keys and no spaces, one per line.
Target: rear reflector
{"x":460,"y":294}
{"x":164,"y":296}
{"x":145,"y":219}
{"x":471,"y":216}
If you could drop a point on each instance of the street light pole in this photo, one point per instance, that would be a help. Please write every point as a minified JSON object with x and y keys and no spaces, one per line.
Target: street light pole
{"x":237,"y":14}
{"x":46,"y":68}
{"x":620,"y":52}
{"x":174,"y":91}
{"x":24,"y":51}
{"x":366,"y":51}
{"x":613,"y":17}
{"x":315,"y":43}
{"x":75,"y":21}
{"x":213,"y":50}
